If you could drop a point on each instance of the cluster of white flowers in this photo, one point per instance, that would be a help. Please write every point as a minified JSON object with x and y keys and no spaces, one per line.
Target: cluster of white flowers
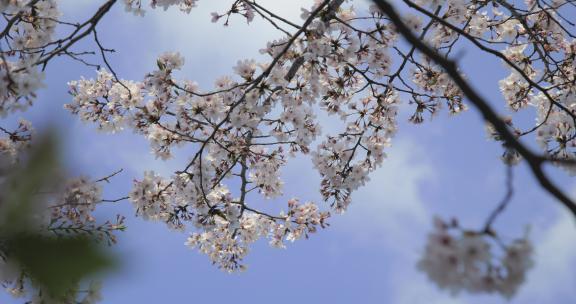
{"x":15,"y":142}
{"x":20,"y":76}
{"x":109,"y":116}
{"x":79,"y":200}
{"x":516,"y":91}
{"x":71,"y":211}
{"x":342,"y":61}
{"x":150,"y":197}
{"x":539,"y":51}
{"x":265,"y":172}
{"x":135,"y":6}
{"x":460,"y":260}
{"x":234,"y":123}
{"x":548,"y":86}
{"x":432,"y":79}
{"x":227,"y":227}
{"x":241,"y":7}
{"x":336,"y":68}
{"x":246,"y":68}
{"x":228,"y":241}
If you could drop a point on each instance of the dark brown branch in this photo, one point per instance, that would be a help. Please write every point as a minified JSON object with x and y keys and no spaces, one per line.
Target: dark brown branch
{"x":505,"y":201}
{"x":15,"y":18}
{"x":534,"y":161}
{"x":92,"y":22}
{"x":482,"y":47}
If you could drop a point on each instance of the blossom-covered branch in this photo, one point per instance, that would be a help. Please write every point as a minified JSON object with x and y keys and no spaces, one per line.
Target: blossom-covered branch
{"x":341,"y":61}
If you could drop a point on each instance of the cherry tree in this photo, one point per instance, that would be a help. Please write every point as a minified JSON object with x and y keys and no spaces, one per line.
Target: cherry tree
{"x":358,"y":65}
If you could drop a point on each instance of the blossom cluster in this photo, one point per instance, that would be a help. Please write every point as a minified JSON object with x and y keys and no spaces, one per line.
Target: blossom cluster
{"x":71,"y":211}
{"x":255,"y":120}
{"x":341,"y":62}
{"x":240,"y":130}
{"x":20,"y":76}
{"x":136,"y":7}
{"x":15,"y":141}
{"x":458,"y":260}
{"x":538,"y":81}
{"x":227,"y":243}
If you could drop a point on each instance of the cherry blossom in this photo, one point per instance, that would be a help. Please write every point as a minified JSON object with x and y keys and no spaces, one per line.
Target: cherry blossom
{"x":347,"y":63}
{"x":458,"y":260}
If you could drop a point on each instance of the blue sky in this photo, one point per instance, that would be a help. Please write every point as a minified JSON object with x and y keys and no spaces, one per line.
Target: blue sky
{"x":445,"y":167}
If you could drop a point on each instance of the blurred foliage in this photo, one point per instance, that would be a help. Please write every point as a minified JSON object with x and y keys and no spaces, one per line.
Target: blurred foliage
{"x":19,"y":198}
{"x":55,"y":264}
{"x":58,"y":264}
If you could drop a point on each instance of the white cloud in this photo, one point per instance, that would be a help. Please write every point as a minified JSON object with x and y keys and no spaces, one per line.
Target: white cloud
{"x":390,"y":205}
{"x":553,"y":280}
{"x":389,"y":210}
{"x":410,"y":290}
{"x":71,"y":8}
{"x":212,"y":49}
{"x":194,"y":33}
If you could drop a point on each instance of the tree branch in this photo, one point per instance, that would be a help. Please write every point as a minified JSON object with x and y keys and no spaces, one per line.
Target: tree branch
{"x":534,"y":161}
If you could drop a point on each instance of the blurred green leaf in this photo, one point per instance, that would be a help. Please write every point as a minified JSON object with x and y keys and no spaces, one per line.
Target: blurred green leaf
{"x":21,"y":188}
{"x":58,"y":264}
{"x":55,"y":264}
